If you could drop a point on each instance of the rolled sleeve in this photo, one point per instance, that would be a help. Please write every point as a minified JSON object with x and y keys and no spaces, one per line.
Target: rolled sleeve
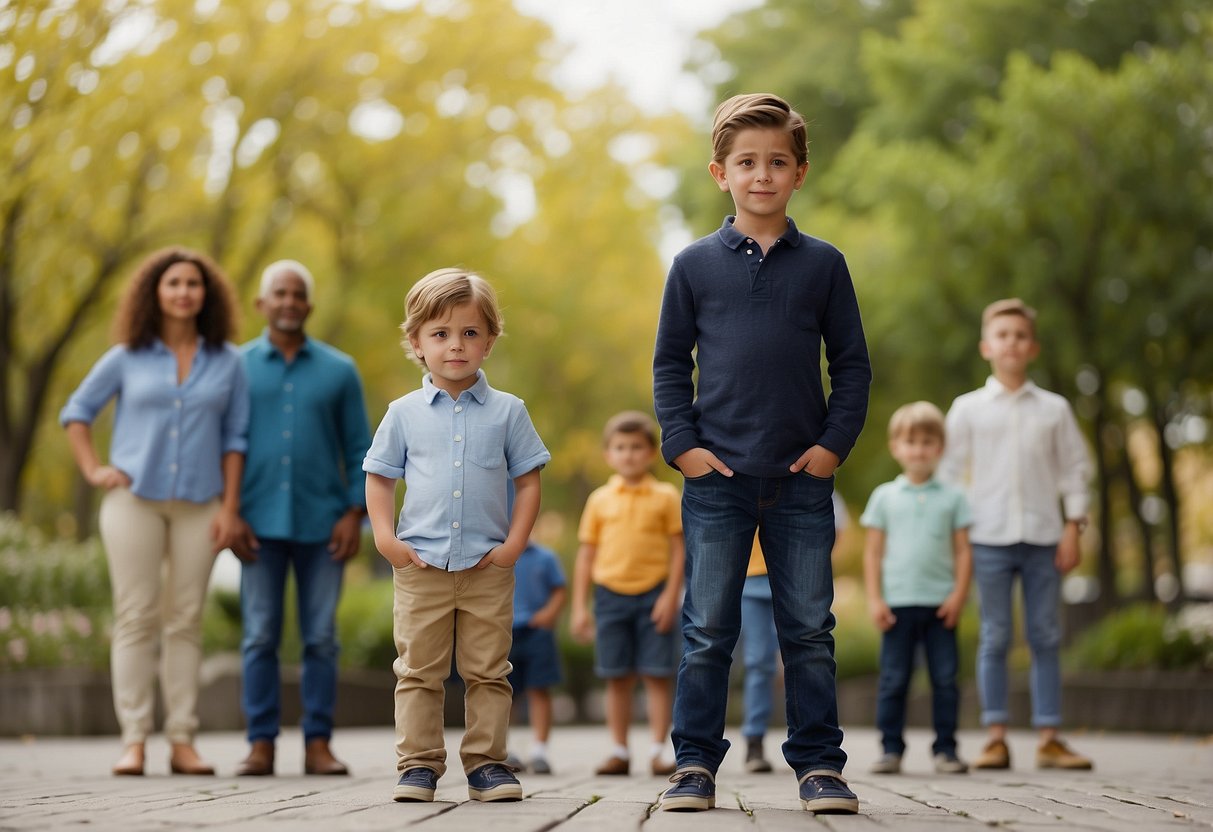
{"x":234,"y":434}
{"x":387,"y":453}
{"x":103,"y":382}
{"x":524,"y":451}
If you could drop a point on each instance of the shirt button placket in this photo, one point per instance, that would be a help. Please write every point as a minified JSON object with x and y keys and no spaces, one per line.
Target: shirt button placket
{"x":458,"y":427}
{"x":288,"y":425}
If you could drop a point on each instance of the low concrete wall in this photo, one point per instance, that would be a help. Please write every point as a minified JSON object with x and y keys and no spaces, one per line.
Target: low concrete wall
{"x":66,"y":701}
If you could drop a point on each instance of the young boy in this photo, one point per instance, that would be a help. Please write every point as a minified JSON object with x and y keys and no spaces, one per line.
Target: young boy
{"x":632,"y":551}
{"x":539,"y":595}
{"x":749,"y":307}
{"x":917,"y":565}
{"x":456,"y":442}
{"x":1020,"y":453}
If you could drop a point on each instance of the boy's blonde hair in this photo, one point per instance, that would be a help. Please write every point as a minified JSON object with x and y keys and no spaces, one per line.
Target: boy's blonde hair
{"x":436,"y":294}
{"x":631,"y":421}
{"x":757,"y":110}
{"x":1008,"y":306}
{"x":917,"y":417}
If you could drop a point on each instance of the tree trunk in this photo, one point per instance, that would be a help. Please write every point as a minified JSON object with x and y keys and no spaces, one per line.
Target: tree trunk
{"x":1170,"y":495}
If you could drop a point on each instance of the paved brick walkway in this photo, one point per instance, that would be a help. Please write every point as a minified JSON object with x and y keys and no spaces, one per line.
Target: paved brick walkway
{"x":1141,"y":784}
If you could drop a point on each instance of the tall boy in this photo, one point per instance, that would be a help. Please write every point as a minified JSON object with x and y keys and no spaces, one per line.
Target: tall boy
{"x":917,"y":564}
{"x":632,"y":551}
{"x":1020,"y":453}
{"x":456,"y":443}
{"x":749,"y":307}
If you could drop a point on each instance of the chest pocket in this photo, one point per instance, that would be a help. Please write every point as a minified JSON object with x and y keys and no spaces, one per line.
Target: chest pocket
{"x":486,"y":445}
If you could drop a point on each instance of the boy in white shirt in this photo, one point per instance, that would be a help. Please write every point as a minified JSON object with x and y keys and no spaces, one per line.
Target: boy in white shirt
{"x":1019,"y":453}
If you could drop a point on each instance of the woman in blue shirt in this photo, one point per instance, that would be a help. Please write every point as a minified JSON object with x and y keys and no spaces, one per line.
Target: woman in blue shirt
{"x":172,"y":485}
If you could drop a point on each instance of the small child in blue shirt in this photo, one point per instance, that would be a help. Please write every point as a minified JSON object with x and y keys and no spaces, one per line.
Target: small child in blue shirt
{"x":917,"y":565}
{"x":539,"y":595}
{"x":457,"y":444}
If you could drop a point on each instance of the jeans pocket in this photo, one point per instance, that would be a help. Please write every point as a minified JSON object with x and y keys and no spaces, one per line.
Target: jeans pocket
{"x":805,"y":471}
{"x":701,"y":477}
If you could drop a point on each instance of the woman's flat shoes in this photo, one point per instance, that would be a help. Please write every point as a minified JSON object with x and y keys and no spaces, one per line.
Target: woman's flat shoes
{"x":197,"y":768}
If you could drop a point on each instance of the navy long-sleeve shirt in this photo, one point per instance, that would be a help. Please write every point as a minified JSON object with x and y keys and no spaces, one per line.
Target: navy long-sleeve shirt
{"x":754,"y":325}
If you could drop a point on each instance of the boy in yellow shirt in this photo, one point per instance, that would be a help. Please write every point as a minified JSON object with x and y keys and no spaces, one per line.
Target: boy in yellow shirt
{"x":632,"y":552}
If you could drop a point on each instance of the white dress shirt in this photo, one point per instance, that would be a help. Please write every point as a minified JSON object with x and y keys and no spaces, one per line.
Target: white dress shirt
{"x":1021,"y":458}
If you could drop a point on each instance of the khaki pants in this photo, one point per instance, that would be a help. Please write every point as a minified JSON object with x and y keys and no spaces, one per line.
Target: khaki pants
{"x":160,"y":560}
{"x":472,"y":612}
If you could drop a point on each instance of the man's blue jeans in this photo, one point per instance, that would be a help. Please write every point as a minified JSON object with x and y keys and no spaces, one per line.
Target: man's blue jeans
{"x":262,"y":587}
{"x":794,"y":517}
{"x":898,"y":648}
{"x":759,"y":644}
{"x":995,"y":569}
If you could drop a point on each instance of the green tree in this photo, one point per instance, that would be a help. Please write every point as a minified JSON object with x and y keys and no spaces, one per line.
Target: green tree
{"x":374,"y":142}
{"x":1055,"y":151}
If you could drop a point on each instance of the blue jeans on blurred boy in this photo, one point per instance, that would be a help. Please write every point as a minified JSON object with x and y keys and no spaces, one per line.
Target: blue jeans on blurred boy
{"x":794,"y":516}
{"x":898,"y":648}
{"x":759,"y":645}
{"x":994,"y":570}
{"x":262,"y":589}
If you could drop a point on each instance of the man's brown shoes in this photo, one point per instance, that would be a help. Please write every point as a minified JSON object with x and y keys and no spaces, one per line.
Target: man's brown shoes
{"x":318,"y":759}
{"x":260,"y":760}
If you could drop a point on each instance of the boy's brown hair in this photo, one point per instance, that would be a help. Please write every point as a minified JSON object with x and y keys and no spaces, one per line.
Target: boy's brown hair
{"x":631,"y":421}
{"x":757,"y":110}
{"x":916,"y":417}
{"x":1009,"y":306}
{"x":436,"y":294}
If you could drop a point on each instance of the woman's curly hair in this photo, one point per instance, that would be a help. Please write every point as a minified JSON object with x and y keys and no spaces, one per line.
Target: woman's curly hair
{"x":139,"y":319}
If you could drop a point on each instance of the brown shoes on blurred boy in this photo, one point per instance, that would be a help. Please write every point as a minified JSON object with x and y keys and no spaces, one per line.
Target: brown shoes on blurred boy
{"x":995,"y":755}
{"x":1056,"y":754}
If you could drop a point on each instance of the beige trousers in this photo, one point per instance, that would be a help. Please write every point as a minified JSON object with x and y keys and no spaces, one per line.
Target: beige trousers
{"x":435,"y":612}
{"x":160,"y":558}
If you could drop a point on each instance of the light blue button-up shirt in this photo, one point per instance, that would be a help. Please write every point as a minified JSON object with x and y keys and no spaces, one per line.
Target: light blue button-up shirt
{"x":308,"y":433}
{"x":169,"y":438}
{"x":456,"y":457}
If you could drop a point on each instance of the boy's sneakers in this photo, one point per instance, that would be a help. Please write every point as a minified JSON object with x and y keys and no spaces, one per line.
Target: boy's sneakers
{"x":889,"y":763}
{"x":755,"y":762}
{"x":493,"y":781}
{"x":540,"y":765}
{"x":1056,"y":754}
{"x":825,"y":792}
{"x":995,"y":755}
{"x":949,"y":763}
{"x":514,"y":761}
{"x":416,"y":785}
{"x":694,"y":790}
{"x":613,"y":766}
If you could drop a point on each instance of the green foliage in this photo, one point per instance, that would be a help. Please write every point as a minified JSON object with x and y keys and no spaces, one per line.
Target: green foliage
{"x":1145,"y":637}
{"x":375,"y":142}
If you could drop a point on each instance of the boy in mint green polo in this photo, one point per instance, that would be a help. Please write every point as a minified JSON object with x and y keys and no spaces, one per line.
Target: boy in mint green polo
{"x":917,"y":564}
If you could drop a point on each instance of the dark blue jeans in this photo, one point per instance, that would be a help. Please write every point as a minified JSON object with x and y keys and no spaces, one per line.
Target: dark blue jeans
{"x":262,"y":587}
{"x":898,"y":647}
{"x":794,"y":517}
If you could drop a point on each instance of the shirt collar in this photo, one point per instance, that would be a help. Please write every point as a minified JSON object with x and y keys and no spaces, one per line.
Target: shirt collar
{"x":733,"y":238}
{"x":271,"y":351}
{"x":904,"y":482}
{"x":479,"y":391}
{"x":158,"y":345}
{"x":996,"y":388}
{"x":618,"y":484}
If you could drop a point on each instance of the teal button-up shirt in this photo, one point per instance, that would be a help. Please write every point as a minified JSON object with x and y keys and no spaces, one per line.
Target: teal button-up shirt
{"x":308,"y":433}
